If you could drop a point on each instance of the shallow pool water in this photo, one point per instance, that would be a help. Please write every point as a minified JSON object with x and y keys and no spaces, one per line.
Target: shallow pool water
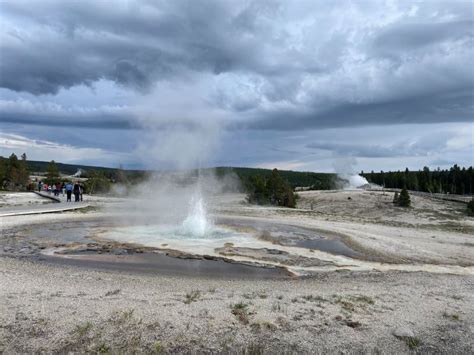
{"x":238,"y":232}
{"x":154,"y":232}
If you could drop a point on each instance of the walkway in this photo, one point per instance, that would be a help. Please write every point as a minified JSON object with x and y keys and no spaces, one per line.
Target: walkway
{"x":60,"y":205}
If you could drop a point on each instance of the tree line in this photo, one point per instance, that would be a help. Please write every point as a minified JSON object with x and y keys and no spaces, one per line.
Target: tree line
{"x":314,"y":181}
{"x":14,"y":173}
{"x":271,"y":190}
{"x":455,"y":180}
{"x":15,"y":176}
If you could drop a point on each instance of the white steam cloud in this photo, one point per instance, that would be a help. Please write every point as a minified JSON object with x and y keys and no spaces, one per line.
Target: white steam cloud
{"x":348,"y":178}
{"x":179,"y":141}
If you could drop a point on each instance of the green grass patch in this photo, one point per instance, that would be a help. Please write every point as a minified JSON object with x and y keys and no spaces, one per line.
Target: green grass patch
{"x":192,"y":296}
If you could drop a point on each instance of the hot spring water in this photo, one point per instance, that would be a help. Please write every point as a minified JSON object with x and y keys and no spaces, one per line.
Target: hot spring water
{"x":197,"y":233}
{"x":196,"y":227}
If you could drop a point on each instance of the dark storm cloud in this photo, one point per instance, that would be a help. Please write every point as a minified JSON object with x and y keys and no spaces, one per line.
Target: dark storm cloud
{"x":358,"y":150}
{"x":441,"y":107}
{"x":131,"y":44}
{"x":423,"y":145}
{"x":99,"y":121}
{"x":267,"y":64}
{"x":416,"y":36}
{"x":122,"y":118}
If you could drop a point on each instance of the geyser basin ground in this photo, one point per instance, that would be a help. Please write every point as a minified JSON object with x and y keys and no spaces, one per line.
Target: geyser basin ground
{"x":260,"y":241}
{"x":127,"y":296}
{"x":244,"y":240}
{"x":240,"y":240}
{"x":329,"y":232}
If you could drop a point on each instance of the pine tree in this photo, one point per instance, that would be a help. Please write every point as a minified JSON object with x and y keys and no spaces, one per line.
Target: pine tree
{"x":3,"y":169}
{"x":13,"y":167}
{"x":470,"y":208}
{"x":404,"y":198}
{"x":52,"y":172}
{"x":23,"y":175}
{"x":273,"y":190}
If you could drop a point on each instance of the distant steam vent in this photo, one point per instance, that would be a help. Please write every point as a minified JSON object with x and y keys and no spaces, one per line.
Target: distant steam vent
{"x":78,"y":173}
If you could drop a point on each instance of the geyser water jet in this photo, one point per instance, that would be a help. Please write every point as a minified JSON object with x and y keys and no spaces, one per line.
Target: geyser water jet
{"x":178,"y":197}
{"x":197,"y":222}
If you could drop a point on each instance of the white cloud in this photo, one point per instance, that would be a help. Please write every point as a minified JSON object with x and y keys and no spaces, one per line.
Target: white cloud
{"x":47,"y":150}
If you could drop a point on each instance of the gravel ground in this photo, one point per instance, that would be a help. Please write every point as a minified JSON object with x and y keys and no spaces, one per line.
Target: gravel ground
{"x":47,"y":308}
{"x":10,"y":199}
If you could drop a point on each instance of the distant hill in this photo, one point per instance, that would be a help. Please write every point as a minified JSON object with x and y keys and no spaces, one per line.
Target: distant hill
{"x":67,"y":169}
{"x":322,"y":181}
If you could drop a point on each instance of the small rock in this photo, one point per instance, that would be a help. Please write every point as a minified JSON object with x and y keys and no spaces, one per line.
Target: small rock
{"x":119,"y":251}
{"x":353,"y":324}
{"x":403,"y":332}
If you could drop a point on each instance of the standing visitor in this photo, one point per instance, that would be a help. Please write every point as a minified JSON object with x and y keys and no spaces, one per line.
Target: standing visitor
{"x":40,"y":185}
{"x":81,"y":190}
{"x":77,"y":191}
{"x":68,"y":191}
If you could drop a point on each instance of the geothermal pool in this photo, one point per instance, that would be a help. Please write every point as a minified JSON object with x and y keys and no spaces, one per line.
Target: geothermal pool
{"x":196,"y":235}
{"x":237,"y":232}
{"x":203,"y":234}
{"x":112,"y":242}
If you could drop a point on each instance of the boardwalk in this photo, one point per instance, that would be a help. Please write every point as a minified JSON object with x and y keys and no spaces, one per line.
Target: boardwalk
{"x":59,"y":205}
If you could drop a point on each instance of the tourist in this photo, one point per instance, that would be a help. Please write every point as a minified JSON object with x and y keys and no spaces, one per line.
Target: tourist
{"x":81,"y":190}
{"x":68,"y":191}
{"x":77,"y":191}
{"x":40,"y":185}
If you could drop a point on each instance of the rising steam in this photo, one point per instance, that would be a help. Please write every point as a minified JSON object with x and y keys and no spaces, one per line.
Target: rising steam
{"x":179,"y":139}
{"x":348,"y":179}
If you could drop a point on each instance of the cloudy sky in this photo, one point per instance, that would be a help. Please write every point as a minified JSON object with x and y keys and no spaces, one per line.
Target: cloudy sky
{"x":302,"y":85}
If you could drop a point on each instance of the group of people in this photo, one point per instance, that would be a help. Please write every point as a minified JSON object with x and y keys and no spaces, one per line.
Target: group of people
{"x":65,"y":188}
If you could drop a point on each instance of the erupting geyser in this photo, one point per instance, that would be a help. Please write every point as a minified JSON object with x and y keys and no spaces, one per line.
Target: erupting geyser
{"x":356,"y":181}
{"x":197,"y":222}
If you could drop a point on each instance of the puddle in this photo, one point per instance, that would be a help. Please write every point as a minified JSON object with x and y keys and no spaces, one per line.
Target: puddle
{"x":69,"y":232}
{"x":328,"y":246}
{"x":159,"y":264}
{"x":293,"y":236}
